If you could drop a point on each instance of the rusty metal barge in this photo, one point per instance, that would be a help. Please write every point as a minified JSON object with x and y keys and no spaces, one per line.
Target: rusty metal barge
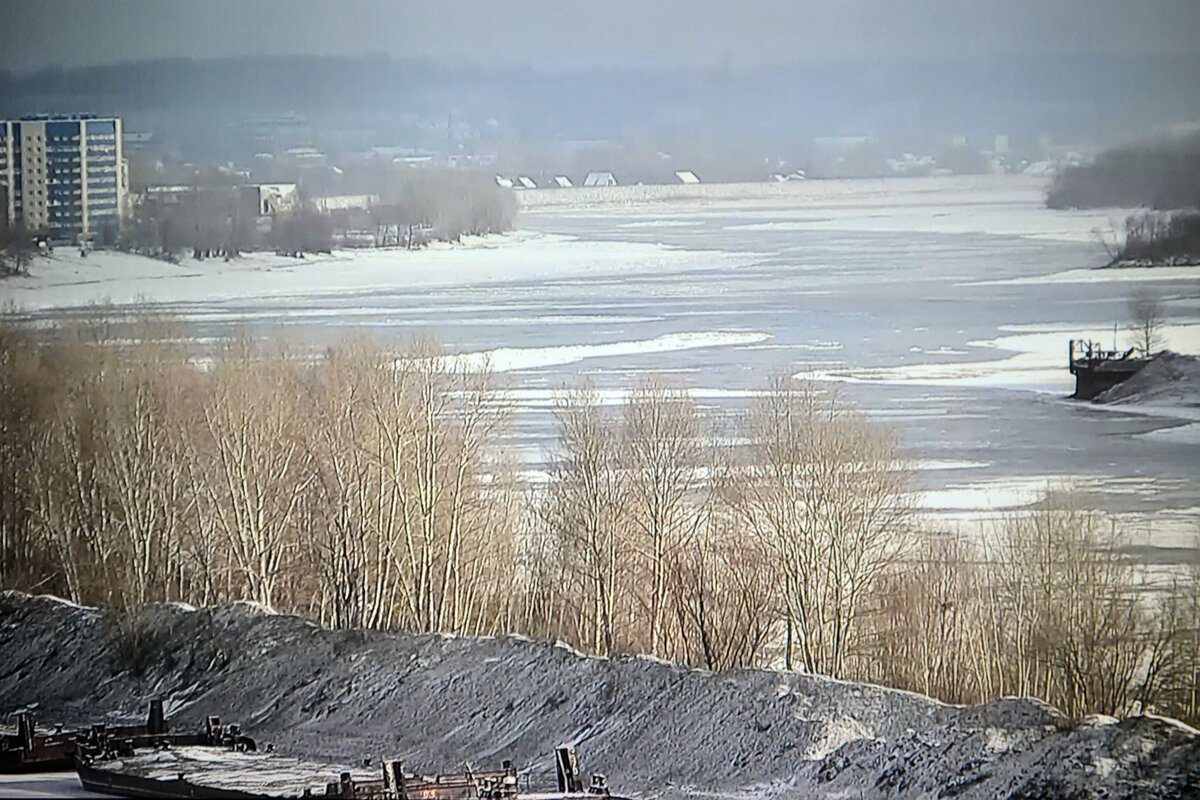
{"x":222,"y":763}
{"x":31,"y":751}
{"x":1097,"y":370}
{"x":219,"y":761}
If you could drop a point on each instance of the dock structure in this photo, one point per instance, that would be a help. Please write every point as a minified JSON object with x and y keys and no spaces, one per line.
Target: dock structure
{"x":219,"y":761}
{"x":33,"y":751}
{"x":1097,"y":370}
{"x":222,"y":763}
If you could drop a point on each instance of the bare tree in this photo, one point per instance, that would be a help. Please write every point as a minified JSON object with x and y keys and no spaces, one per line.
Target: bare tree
{"x":582,"y":510}
{"x":1146,"y":319}
{"x":143,"y":469}
{"x":259,"y":467}
{"x":348,"y":484}
{"x":935,"y":631}
{"x":721,"y":588}
{"x":17,"y":249}
{"x":1187,"y":686}
{"x":28,"y":392}
{"x":662,"y":452}
{"x":826,"y":493}
{"x":437,"y":421}
{"x":1079,"y":636}
{"x":1109,"y":239}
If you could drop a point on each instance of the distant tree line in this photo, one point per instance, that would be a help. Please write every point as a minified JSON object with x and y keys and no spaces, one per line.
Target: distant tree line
{"x":369,"y":487}
{"x":200,"y":97}
{"x":1163,"y":174}
{"x":17,"y":249}
{"x":17,"y":245}
{"x":206,"y":220}
{"x":1157,"y":238}
{"x":451,"y":203}
{"x":212,"y":218}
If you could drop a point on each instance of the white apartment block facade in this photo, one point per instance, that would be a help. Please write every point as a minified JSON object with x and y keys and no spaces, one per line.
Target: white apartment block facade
{"x":63,"y":175}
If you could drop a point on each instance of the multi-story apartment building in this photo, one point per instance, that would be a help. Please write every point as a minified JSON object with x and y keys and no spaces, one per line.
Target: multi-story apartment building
{"x":63,"y":175}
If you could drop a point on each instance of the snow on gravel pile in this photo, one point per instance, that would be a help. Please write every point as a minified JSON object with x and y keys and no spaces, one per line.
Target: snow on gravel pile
{"x":1168,"y":378}
{"x":657,"y":730}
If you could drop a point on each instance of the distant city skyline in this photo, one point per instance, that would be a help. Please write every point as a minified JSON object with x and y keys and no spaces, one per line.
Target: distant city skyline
{"x":567,"y":34}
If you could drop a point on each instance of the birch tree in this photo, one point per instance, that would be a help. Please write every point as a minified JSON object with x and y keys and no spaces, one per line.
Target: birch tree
{"x":582,"y":510}
{"x":662,"y":454}
{"x":259,"y":467}
{"x":826,"y":493}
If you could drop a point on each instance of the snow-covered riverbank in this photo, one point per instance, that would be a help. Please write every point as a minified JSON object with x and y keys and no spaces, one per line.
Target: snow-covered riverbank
{"x":65,"y":279}
{"x":942,"y":307}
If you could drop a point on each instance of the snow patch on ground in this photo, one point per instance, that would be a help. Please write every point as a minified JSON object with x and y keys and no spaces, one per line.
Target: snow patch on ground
{"x":1038,"y":361}
{"x":1126,"y":275}
{"x":1001,"y":740}
{"x":1180,"y":434}
{"x":510,"y":359}
{"x":66,"y":280}
{"x":839,"y":732}
{"x":991,"y":205}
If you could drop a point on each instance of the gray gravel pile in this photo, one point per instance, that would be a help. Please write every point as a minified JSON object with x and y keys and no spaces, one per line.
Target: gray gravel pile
{"x":1170,"y":378}
{"x":657,"y":730}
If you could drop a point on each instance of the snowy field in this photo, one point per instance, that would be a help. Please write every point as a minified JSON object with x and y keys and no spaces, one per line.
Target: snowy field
{"x":66,"y":279}
{"x":941,"y":306}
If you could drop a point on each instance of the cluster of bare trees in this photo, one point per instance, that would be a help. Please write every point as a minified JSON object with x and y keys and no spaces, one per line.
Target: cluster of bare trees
{"x":664,"y":543}
{"x":215,"y":216}
{"x":1160,"y":237}
{"x":209,"y":218}
{"x":17,"y":246}
{"x":1052,"y":606}
{"x":353,"y":487}
{"x":369,"y":488}
{"x":1163,"y":173}
{"x":451,"y":203}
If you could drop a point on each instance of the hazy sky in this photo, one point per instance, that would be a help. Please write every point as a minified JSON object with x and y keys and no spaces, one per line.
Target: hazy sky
{"x":569,"y":33}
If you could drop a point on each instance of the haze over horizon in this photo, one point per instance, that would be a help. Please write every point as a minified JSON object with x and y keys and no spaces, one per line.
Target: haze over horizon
{"x":671,"y":34}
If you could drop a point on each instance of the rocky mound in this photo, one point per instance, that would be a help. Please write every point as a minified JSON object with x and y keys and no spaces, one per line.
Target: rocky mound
{"x":657,"y":730}
{"x":1170,"y":378}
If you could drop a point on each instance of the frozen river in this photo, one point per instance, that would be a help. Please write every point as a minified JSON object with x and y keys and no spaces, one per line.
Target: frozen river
{"x":941,"y":307}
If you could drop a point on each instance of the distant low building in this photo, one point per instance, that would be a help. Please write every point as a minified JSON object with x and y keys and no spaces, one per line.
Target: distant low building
{"x":687,"y":176}
{"x":339,"y":202}
{"x":271,"y":199}
{"x":252,"y":199}
{"x":165,"y":194}
{"x":562,"y":182}
{"x":525,"y":182}
{"x":504,"y":183}
{"x":600,"y":179}
{"x":135,"y":141}
{"x":306,"y":157}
